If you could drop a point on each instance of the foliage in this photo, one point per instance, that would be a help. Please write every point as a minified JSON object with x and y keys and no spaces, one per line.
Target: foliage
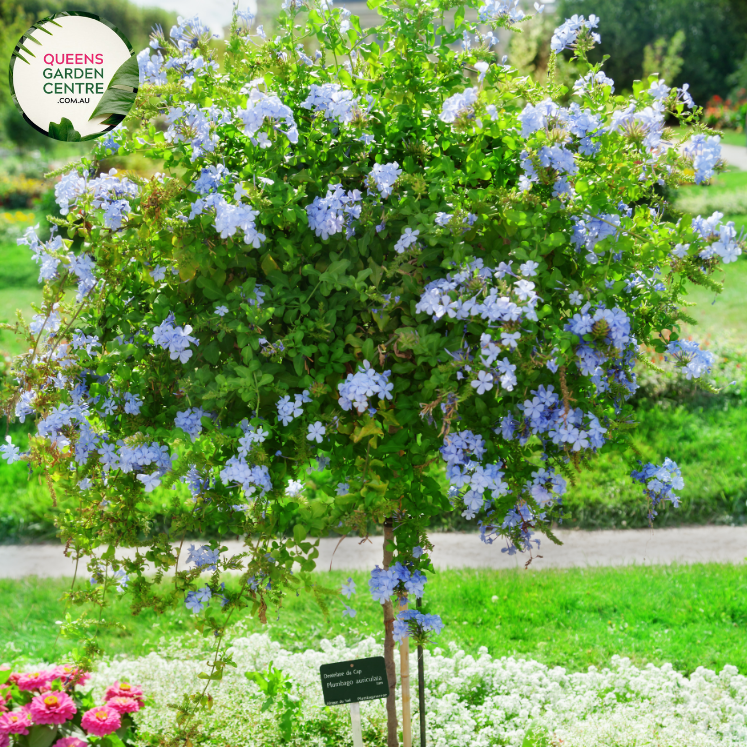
{"x":394,"y":256}
{"x":19,"y":191}
{"x":14,"y":21}
{"x":277,"y":689}
{"x":715,"y":38}
{"x":663,"y":58}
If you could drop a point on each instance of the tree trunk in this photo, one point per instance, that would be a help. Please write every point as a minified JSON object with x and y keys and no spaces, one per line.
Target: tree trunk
{"x":404,"y":674}
{"x":421,"y":689}
{"x":392,"y":739}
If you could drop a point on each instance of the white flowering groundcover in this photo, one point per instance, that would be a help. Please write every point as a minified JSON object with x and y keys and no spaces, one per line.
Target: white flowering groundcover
{"x":471,"y":701}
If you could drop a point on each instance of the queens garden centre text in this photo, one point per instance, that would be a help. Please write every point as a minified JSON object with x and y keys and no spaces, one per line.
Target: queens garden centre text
{"x":73,"y":79}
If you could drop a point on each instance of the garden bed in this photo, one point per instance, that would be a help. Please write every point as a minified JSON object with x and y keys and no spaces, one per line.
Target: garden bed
{"x":475,"y":701}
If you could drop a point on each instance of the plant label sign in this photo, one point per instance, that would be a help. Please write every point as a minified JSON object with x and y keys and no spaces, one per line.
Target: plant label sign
{"x":354,"y":681}
{"x":73,"y":76}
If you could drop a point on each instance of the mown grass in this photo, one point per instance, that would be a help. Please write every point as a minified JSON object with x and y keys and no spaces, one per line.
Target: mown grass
{"x":689,"y":616}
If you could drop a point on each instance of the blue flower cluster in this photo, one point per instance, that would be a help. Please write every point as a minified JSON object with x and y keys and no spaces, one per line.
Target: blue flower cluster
{"x":497,"y":10}
{"x":382,"y":178}
{"x":705,"y":152}
{"x":335,"y":212}
{"x":589,"y":231}
{"x":262,"y":106}
{"x":176,"y":340}
{"x":693,"y":361}
{"x":289,"y":409}
{"x":660,"y":482}
{"x":459,"y":107}
{"x":413,"y":622}
{"x":197,"y":601}
{"x":203,"y":557}
{"x":365,"y":383}
{"x":722,"y":237}
{"x":467,"y":477}
{"x":54,"y":251}
{"x":338,"y":104}
{"x":566,"y":34}
{"x":189,"y":421}
{"x":399,"y":579}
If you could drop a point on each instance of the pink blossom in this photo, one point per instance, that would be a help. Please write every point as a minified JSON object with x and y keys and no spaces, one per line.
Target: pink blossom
{"x":35,"y":680}
{"x":15,"y":722}
{"x":52,"y":708}
{"x":4,"y":740}
{"x":124,"y":690}
{"x":123,"y":705}
{"x":72,"y":675}
{"x":101,"y":721}
{"x":68,"y":742}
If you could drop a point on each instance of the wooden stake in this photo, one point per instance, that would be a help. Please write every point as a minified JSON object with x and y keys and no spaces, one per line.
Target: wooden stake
{"x":404,"y":668}
{"x":392,"y":738}
{"x":355,"y":719}
{"x":421,"y":689}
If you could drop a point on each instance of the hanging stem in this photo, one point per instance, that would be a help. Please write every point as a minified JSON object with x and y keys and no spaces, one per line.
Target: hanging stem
{"x":392,"y":739}
{"x":421,"y":687}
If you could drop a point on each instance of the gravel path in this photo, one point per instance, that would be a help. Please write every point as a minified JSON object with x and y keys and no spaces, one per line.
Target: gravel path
{"x":735,"y":155}
{"x":717,"y":544}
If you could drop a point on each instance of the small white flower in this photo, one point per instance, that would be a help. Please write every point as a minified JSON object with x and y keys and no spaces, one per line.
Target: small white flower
{"x":316,"y":432}
{"x":483,"y":383}
{"x":482,"y":68}
{"x":576,"y":298}
{"x":159,"y":273}
{"x":529,"y":268}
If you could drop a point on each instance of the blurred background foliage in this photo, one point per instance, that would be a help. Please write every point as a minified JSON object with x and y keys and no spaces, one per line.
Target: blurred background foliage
{"x":703,"y":42}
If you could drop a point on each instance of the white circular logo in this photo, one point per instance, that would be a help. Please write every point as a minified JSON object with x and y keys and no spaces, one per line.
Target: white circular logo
{"x":73,"y":75}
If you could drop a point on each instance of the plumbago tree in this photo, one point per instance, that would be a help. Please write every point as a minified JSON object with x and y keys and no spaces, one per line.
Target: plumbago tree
{"x":381,"y":258}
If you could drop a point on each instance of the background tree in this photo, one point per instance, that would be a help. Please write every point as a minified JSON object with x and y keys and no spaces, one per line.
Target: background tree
{"x":715,"y":38}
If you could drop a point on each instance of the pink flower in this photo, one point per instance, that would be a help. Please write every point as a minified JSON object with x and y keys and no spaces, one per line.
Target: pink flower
{"x":123,"y":705}
{"x":15,"y":722}
{"x":35,"y":680}
{"x":124,"y":690}
{"x":101,"y":721}
{"x":68,"y":742}
{"x":4,"y":740}
{"x":4,"y":700}
{"x":72,"y":675}
{"x":52,"y":708}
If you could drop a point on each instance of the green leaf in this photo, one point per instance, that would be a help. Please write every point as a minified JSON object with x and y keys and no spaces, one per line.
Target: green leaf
{"x":119,"y":95}
{"x":127,"y":75}
{"x":459,"y":17}
{"x":115,"y":101}
{"x":42,"y":736}
{"x":299,"y":533}
{"x":64,"y":131}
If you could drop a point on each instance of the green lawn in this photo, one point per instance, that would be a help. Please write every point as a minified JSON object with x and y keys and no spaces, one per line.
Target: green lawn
{"x":688,"y":615}
{"x":723,"y":314}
